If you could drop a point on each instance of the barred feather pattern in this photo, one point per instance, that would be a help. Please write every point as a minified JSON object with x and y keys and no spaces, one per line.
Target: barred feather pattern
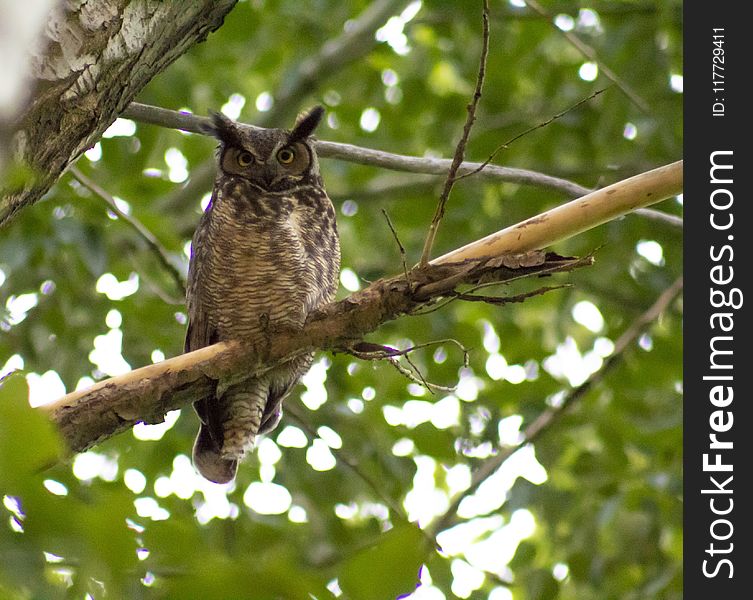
{"x":260,"y":261}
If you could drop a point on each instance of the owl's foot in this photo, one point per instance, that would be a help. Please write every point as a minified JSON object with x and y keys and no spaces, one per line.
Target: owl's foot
{"x":244,"y":406}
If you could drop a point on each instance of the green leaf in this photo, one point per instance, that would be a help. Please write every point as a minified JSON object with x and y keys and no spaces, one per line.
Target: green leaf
{"x":29,"y":442}
{"x":541,"y":585}
{"x":387,"y":569}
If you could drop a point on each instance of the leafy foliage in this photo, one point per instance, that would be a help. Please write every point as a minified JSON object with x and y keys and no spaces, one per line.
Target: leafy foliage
{"x":328,"y":505}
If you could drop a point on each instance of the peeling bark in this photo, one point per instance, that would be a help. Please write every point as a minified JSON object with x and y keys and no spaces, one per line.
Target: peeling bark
{"x":97,"y":56}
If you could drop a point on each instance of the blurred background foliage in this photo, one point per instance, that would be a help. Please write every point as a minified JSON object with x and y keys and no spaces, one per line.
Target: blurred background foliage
{"x":329,"y":505}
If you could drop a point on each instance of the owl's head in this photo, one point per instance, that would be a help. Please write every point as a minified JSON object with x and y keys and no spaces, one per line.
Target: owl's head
{"x":272,"y":159}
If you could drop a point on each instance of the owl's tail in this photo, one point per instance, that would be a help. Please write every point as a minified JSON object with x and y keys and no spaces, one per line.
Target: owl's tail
{"x":228,"y":429}
{"x":208,"y":460}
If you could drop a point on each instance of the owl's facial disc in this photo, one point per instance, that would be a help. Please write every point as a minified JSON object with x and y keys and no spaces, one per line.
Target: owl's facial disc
{"x":270,"y":158}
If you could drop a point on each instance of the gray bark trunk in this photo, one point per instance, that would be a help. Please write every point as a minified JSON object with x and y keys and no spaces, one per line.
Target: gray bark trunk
{"x":97,"y":56}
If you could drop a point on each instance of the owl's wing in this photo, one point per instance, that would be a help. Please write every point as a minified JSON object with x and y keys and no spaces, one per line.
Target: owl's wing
{"x":199,"y":333}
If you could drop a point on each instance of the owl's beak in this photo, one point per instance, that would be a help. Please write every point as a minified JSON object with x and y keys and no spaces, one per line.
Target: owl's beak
{"x":268,"y":174}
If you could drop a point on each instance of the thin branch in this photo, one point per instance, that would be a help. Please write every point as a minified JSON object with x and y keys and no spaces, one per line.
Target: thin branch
{"x":151,"y":241}
{"x":660,"y":217}
{"x":417,"y":378}
{"x":367,"y":156}
{"x":399,"y":245}
{"x":529,"y":130}
{"x":457,"y":159}
{"x":591,"y":55}
{"x":386,"y":185}
{"x":369,"y":351}
{"x":183,"y":121}
{"x":545,"y":420}
{"x":449,"y":298}
{"x":502,"y":300}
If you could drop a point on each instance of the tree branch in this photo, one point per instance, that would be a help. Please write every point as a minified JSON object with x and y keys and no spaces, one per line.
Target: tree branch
{"x":86,"y":417}
{"x":89,"y":416}
{"x":367,"y":156}
{"x":151,"y":240}
{"x":172,"y":119}
{"x":584,"y":213}
{"x":459,"y":155}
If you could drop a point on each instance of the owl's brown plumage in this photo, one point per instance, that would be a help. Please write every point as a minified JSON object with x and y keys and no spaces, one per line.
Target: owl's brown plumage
{"x":265,"y":254}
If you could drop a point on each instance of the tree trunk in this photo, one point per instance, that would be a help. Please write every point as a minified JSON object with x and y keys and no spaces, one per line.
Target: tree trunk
{"x":96,"y":58}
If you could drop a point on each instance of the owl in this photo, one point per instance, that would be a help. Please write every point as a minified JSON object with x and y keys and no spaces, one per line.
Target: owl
{"x":265,"y":254}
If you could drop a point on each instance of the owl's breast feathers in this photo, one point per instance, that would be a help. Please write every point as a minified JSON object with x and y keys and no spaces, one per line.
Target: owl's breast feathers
{"x":260,"y":259}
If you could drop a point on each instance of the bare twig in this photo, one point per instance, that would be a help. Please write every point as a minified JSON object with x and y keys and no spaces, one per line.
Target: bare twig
{"x":660,"y":217}
{"x":526,"y":132}
{"x":399,"y":245}
{"x":457,"y":159}
{"x":408,"y":374}
{"x":502,"y":300}
{"x":151,"y":241}
{"x":468,"y":294}
{"x":591,"y":55}
{"x":547,"y":418}
{"x":369,"y":351}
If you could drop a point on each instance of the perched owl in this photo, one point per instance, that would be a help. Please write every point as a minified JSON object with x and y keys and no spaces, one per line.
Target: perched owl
{"x":265,"y":254}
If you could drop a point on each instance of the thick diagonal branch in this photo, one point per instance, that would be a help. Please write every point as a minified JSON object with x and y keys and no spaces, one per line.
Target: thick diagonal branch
{"x":89,"y":416}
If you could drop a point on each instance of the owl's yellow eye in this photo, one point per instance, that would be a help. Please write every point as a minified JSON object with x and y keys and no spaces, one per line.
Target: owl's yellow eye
{"x":245,"y":159}
{"x":286,"y":156}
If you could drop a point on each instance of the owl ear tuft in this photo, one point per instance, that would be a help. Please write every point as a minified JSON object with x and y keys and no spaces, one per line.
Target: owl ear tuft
{"x":306,"y":123}
{"x":224,"y":129}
